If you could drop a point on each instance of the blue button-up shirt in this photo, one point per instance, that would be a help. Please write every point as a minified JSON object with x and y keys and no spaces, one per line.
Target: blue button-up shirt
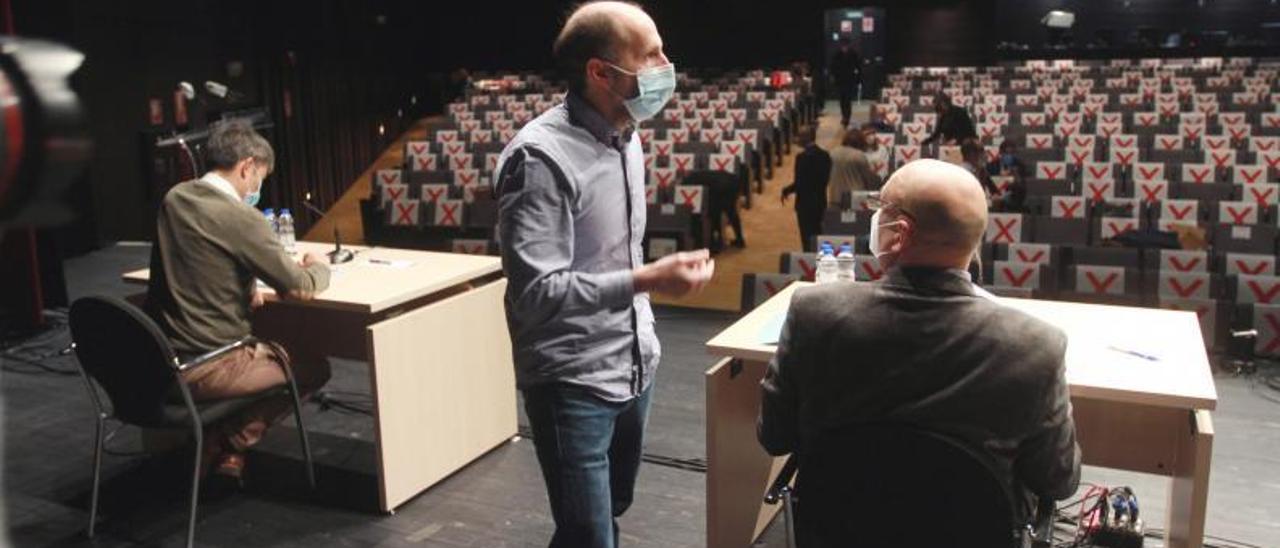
{"x":571,"y":222}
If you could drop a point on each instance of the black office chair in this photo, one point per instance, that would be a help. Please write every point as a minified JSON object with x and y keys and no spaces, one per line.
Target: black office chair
{"x":124,"y":351}
{"x":894,"y":485}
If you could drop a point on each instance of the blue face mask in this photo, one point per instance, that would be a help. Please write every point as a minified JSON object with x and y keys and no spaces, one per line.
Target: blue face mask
{"x":254,"y":197}
{"x":1006,"y":159}
{"x":656,"y":86}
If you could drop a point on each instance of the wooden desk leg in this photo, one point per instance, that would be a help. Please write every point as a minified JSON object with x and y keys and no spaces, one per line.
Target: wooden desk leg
{"x":738,"y":470}
{"x":1189,"y":492}
{"x":445,"y":390}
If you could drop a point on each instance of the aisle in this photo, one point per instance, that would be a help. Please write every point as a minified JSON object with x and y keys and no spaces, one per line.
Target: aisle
{"x":770,"y":228}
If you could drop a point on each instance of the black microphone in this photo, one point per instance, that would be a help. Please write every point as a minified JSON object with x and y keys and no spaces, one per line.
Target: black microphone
{"x":338,"y":255}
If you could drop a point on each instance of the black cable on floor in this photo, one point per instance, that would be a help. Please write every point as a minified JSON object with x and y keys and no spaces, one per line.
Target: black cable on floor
{"x":696,"y":465}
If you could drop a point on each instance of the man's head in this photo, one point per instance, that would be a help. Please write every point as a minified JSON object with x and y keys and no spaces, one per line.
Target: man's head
{"x":941,"y":102}
{"x":603,"y":52}
{"x":869,"y":134}
{"x":1008,"y":146}
{"x":934,"y":215}
{"x":806,"y":136}
{"x":854,"y":138}
{"x":237,"y":153}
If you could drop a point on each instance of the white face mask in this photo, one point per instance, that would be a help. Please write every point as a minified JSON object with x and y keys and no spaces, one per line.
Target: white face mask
{"x":874,"y":241}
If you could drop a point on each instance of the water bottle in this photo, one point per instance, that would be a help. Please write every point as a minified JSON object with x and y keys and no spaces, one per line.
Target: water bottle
{"x":845,"y":263}
{"x":285,"y":230}
{"x":270,"y":215}
{"x":826,"y":265}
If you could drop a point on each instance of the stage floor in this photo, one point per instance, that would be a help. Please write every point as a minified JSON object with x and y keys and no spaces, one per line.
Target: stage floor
{"x":498,"y":500}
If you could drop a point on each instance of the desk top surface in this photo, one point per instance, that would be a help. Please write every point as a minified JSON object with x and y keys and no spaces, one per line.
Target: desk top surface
{"x":381,"y":277}
{"x":1117,"y":353}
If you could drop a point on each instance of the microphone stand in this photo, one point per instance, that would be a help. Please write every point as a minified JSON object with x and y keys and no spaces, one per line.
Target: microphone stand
{"x":338,"y":255}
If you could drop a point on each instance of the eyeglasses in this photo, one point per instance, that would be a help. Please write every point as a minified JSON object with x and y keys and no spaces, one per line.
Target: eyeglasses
{"x":876,"y":203}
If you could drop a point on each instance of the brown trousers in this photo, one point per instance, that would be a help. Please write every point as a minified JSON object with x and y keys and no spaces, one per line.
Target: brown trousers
{"x":245,"y":371}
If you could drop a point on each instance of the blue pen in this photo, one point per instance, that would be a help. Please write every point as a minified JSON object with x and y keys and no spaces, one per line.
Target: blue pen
{"x":1134,"y":353}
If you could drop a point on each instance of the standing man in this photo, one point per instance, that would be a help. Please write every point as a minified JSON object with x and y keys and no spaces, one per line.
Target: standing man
{"x":813,"y":171}
{"x":571,"y":220}
{"x":210,"y":245}
{"x":846,"y":69}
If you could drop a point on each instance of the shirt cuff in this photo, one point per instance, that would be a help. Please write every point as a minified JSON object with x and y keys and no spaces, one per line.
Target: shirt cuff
{"x":617,"y":288}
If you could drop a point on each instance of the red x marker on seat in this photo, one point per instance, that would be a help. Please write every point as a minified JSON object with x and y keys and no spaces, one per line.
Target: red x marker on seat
{"x":723,"y":164}
{"x":1263,"y":296}
{"x":448,"y":212}
{"x":1273,"y":320}
{"x":1028,"y":258}
{"x":1151,"y":191}
{"x":1178,"y":214}
{"x":871,"y":270}
{"x":1148,"y":174}
{"x":1199,"y":176}
{"x":1170,"y":144}
{"x":1239,"y":215}
{"x":1017,"y":280}
{"x":405,"y":212}
{"x":432,"y":195}
{"x":1185,"y":291}
{"x":1188,"y":266}
{"x":1124,"y":158}
{"x":1003,"y":235}
{"x":1101,"y":285}
{"x":1249,"y":176}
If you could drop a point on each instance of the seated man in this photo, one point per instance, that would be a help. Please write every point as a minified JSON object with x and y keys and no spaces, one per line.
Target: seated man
{"x":210,"y":245}
{"x":921,"y":347}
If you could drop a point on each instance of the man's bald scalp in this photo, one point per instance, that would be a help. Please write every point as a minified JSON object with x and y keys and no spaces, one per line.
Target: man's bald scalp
{"x":592,"y":30}
{"x":946,"y":202}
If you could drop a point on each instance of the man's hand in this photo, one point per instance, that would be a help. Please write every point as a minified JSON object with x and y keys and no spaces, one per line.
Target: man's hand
{"x":311,"y":258}
{"x":676,"y":275}
{"x":257,"y":301}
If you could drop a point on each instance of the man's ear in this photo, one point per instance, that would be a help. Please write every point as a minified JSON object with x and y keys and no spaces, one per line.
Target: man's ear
{"x":597,"y":70}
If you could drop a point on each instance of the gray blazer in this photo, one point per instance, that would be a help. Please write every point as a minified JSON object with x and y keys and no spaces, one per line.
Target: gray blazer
{"x":920,"y":347}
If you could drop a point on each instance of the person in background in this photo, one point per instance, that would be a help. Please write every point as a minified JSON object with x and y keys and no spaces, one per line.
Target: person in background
{"x":1008,"y":164}
{"x":850,"y":169}
{"x":210,"y":246}
{"x":924,"y":347}
{"x":571,"y":219}
{"x":813,"y":171}
{"x":954,"y":124}
{"x":876,"y":154}
{"x":722,"y":190}
{"x":974,"y":155}
{"x":846,"y":70}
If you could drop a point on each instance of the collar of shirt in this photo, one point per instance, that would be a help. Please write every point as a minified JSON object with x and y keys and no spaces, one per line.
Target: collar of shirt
{"x":581,"y":113}
{"x":931,"y":280}
{"x":222,"y":184}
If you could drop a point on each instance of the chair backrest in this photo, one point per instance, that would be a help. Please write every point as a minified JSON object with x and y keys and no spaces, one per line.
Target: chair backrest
{"x":122,"y":349}
{"x":896,"y":485}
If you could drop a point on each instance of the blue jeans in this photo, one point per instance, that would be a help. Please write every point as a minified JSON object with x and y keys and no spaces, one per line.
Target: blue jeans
{"x":589,"y":450}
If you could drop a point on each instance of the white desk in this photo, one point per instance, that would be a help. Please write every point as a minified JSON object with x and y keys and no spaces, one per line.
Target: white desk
{"x":432,"y":327}
{"x":1131,"y":413}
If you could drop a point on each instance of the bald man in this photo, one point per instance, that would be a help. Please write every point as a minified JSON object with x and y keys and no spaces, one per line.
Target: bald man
{"x":571,"y":218}
{"x":922,"y":347}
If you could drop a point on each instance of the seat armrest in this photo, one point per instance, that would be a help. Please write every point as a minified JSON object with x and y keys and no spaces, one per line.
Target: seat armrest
{"x":782,"y":484}
{"x":215,"y":354}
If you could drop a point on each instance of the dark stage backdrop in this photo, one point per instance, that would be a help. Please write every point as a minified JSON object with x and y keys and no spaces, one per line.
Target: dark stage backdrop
{"x":330,"y":72}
